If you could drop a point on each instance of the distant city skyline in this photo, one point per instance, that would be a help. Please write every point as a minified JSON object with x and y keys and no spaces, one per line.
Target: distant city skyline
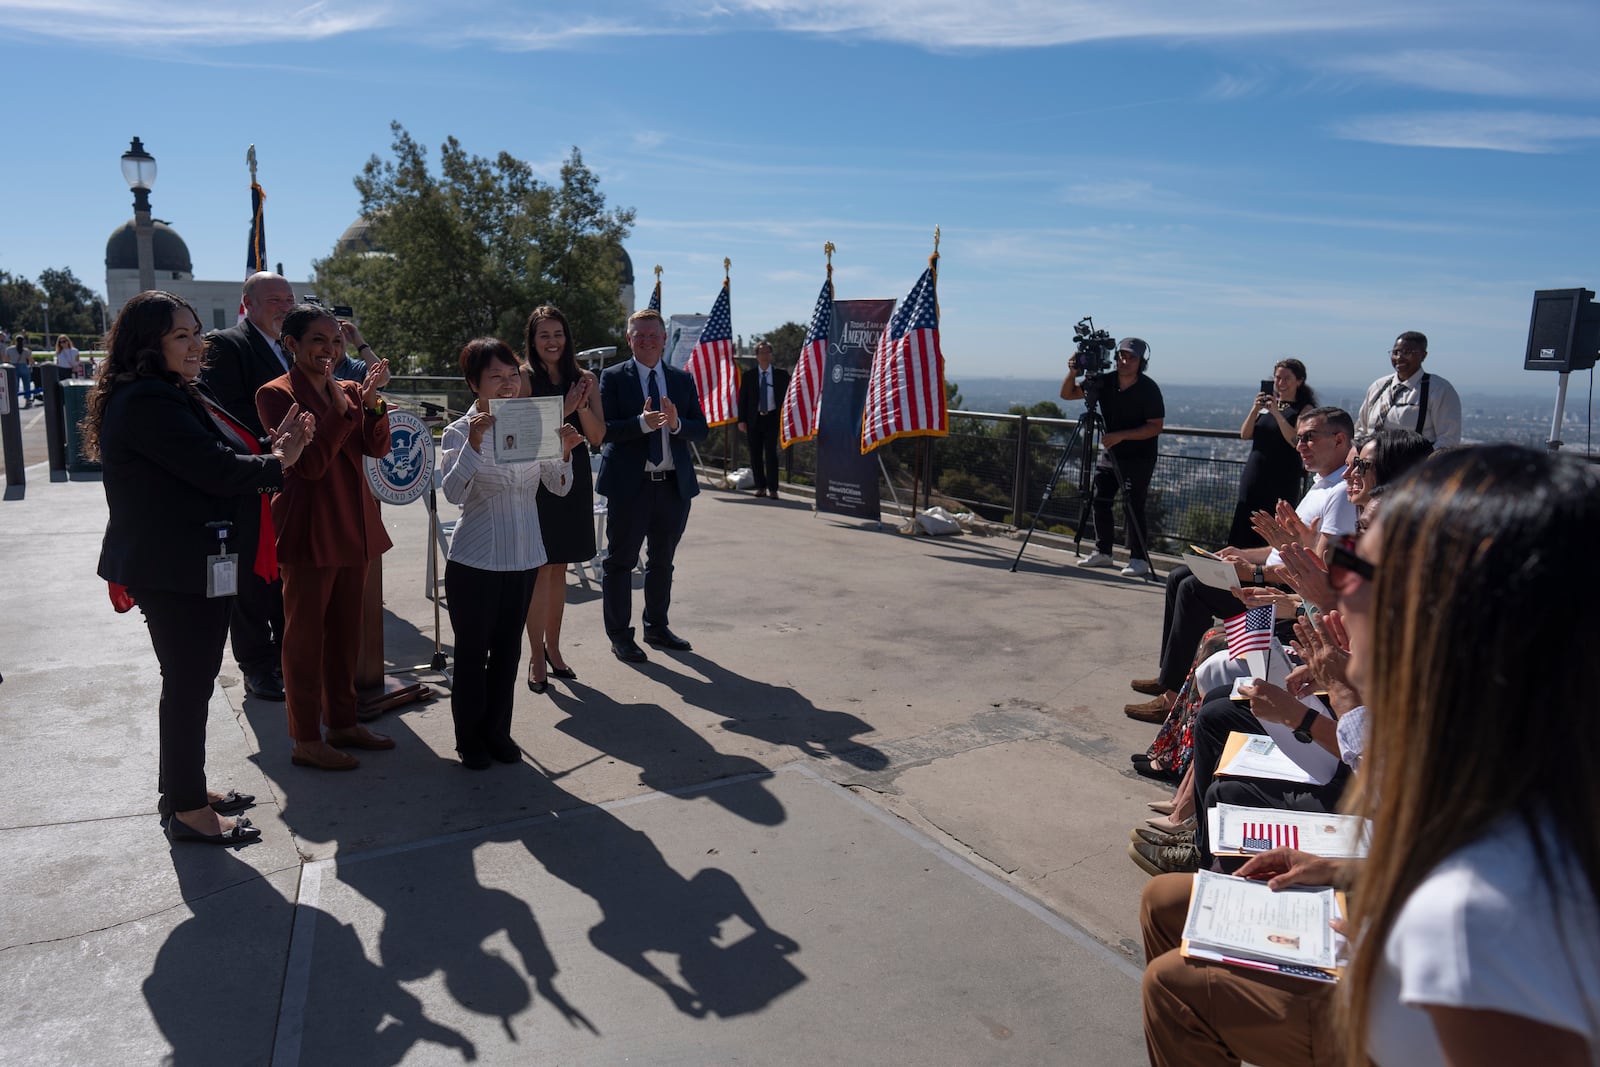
{"x":1235,"y":182}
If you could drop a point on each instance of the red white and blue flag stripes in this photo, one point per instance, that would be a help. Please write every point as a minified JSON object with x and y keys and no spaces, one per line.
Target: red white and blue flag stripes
{"x":803,"y":400}
{"x":905,"y":395}
{"x":710,"y":363}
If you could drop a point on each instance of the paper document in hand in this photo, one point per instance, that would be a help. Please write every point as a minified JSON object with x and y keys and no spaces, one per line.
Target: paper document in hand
{"x":1217,"y":573}
{"x":1238,"y":917}
{"x":1258,"y":756}
{"x":1241,"y":831}
{"x":1316,"y":764}
{"x":526,"y":429}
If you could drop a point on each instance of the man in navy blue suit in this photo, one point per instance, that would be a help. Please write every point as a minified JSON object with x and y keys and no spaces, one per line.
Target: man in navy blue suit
{"x":647,"y":476}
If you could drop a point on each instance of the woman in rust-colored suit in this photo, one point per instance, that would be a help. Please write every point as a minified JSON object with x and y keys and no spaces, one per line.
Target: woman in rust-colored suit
{"x":328,"y":531}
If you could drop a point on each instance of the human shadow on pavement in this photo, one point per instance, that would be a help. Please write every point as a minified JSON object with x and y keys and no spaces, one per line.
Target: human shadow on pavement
{"x":669,"y":754}
{"x":776,"y":714}
{"x":220,"y":974}
{"x":730,"y":961}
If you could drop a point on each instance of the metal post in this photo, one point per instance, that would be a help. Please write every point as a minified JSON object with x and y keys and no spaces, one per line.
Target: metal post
{"x":1019,"y":473}
{"x":1554,"y":444}
{"x":144,"y":236}
{"x":11,"y":437}
{"x":55,"y":423}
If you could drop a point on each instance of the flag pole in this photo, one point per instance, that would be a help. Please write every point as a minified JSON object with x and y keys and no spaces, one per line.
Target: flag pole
{"x":924,"y":455}
{"x":727,"y":434}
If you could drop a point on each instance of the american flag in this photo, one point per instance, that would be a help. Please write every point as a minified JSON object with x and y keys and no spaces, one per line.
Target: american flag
{"x":655,"y":298}
{"x":716,"y":378}
{"x":803,"y":399}
{"x":255,"y":256}
{"x":255,"y":253}
{"x":905,"y":396}
{"x":1251,"y":631}
{"x":1260,"y":836}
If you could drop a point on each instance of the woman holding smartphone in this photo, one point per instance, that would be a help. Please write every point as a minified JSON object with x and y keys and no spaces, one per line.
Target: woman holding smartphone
{"x":1273,"y":471}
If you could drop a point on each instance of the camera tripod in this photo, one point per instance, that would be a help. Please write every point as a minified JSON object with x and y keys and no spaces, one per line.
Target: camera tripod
{"x":1090,"y":429}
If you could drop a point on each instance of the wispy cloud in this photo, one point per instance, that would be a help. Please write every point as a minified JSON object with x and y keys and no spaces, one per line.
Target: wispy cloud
{"x":120,"y":22}
{"x":1235,"y":86}
{"x":1477,"y":73}
{"x":1497,"y":131}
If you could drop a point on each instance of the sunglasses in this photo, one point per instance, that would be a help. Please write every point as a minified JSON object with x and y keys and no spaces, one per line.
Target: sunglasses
{"x":1346,"y":569}
{"x":1311,"y":435}
{"x":1361,"y":466}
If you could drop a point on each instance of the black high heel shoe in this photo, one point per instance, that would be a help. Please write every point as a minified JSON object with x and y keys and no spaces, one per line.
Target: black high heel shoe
{"x":558,"y":672}
{"x":536,"y":685}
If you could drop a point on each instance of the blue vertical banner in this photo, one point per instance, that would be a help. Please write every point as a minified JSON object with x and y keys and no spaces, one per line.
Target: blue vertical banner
{"x":847,"y":481}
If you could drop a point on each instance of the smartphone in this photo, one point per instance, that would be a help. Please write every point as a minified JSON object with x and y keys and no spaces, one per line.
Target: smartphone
{"x":1266,"y":386}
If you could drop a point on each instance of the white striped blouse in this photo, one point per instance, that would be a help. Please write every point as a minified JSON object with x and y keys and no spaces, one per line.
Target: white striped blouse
{"x":499,"y":527}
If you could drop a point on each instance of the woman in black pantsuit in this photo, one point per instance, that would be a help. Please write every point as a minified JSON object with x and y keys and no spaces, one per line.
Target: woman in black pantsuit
{"x":1273,"y":470}
{"x":174,"y":474}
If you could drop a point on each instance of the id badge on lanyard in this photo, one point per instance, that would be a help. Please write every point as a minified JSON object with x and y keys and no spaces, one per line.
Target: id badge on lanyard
{"x":222,"y":569}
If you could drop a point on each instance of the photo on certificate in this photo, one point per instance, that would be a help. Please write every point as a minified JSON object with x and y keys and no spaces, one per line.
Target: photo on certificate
{"x":526,"y":429}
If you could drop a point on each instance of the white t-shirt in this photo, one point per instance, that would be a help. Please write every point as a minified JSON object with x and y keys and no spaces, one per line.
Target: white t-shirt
{"x":1481,"y":931}
{"x":1326,"y":501}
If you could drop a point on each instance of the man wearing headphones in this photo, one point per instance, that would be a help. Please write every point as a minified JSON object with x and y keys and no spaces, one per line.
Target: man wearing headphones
{"x":1131,"y":405}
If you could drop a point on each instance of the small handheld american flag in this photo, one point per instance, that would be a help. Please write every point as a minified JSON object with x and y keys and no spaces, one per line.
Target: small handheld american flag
{"x":1251,"y":631}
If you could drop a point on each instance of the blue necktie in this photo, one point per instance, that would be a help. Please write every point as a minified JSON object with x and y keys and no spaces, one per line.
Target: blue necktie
{"x":656,"y":453}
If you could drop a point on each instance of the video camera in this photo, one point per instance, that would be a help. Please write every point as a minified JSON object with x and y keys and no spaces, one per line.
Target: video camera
{"x":338,"y":311}
{"x":1096,"y":350}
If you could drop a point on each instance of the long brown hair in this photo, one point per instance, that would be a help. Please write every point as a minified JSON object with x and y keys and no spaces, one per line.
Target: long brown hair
{"x":568,"y":363}
{"x":133,"y":350}
{"x":1482,"y":609}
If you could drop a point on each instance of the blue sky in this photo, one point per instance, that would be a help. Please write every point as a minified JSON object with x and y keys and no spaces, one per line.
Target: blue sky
{"x":1234,"y":181}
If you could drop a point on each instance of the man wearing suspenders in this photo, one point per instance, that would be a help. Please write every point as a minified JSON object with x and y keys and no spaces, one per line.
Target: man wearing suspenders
{"x":1410,"y":399}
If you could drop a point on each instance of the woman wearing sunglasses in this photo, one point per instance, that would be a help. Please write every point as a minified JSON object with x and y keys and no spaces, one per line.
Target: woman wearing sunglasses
{"x":1474,"y":916}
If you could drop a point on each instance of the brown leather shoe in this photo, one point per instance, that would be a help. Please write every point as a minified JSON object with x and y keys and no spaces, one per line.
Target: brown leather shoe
{"x":359,"y":737}
{"x":1150,"y":687}
{"x":323,"y":758}
{"x":1153,"y":710}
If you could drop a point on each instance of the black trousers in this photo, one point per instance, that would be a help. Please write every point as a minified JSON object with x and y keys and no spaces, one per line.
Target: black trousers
{"x":256,"y":623}
{"x":1218,"y":717}
{"x":488,"y":610}
{"x":657,"y":517}
{"x":762,"y":436}
{"x":188,"y":633}
{"x":1135,"y":486}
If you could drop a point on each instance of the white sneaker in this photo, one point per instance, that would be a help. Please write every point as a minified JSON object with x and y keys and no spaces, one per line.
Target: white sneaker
{"x":1136,"y":568}
{"x":1097,"y":559}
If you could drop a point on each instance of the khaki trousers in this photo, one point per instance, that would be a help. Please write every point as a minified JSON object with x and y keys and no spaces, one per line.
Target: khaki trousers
{"x":1200,"y":1014}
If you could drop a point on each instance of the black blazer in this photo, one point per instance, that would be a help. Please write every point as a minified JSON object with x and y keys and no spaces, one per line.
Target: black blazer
{"x":750,"y":390}
{"x":626,"y":449}
{"x":238,"y":362}
{"x":168,"y":470}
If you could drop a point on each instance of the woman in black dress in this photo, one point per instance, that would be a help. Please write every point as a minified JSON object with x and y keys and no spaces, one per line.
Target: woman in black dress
{"x":1273,"y":471}
{"x":567,"y":522}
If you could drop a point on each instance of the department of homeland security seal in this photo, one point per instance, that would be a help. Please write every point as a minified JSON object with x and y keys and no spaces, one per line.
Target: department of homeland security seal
{"x":402,"y":475}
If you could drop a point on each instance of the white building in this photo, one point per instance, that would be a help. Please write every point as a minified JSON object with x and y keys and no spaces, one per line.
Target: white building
{"x":217,"y":302}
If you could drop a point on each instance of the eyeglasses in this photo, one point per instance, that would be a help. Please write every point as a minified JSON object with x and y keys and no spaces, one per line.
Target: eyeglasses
{"x":1346,"y":569}
{"x":1311,"y":435}
{"x":1408,"y":351}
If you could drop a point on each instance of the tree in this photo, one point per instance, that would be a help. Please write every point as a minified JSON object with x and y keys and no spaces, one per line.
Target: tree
{"x":785,"y":341}
{"x":74,"y":308}
{"x":473,"y":250}
{"x":19,"y":305}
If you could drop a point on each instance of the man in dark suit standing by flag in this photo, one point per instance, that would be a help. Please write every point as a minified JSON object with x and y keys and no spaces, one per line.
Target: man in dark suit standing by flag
{"x":760,"y":401}
{"x":647,"y":476}
{"x":240,"y":360}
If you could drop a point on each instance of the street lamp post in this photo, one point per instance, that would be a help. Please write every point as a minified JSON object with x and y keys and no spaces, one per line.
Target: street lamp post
{"x":139,"y":170}
{"x":45,"y":304}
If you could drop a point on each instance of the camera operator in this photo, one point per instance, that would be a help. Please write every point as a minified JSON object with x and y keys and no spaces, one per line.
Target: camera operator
{"x":1131,"y":405}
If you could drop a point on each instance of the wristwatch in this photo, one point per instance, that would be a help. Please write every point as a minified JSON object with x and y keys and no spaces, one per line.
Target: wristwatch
{"x":1261,"y":578}
{"x":1302,"y":733}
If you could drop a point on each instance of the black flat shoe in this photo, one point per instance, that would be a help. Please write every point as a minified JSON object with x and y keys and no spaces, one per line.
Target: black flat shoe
{"x":232,"y":800}
{"x":1158,"y":774}
{"x":241,"y":833}
{"x":558,"y":672}
{"x":474,"y":761}
{"x":627,"y":651}
{"x":662,"y":637}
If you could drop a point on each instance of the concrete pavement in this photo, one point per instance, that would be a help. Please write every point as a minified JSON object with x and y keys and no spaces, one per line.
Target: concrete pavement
{"x":878,"y":814}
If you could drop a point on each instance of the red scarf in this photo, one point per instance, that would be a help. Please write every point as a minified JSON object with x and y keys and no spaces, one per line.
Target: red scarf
{"x":266,"y":562}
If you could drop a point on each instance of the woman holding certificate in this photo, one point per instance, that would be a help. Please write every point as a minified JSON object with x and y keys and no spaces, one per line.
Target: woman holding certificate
{"x":495,"y":553}
{"x":566,"y":521}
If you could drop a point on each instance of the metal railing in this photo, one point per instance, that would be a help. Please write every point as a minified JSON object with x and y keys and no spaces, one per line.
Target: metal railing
{"x":996,"y":466}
